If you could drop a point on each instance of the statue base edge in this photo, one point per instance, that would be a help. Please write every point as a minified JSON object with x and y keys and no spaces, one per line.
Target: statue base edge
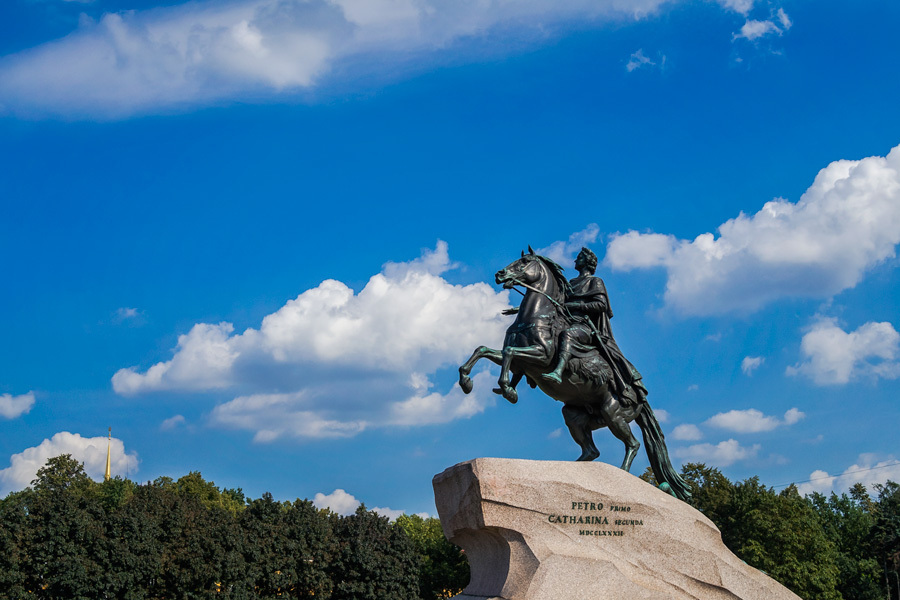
{"x":545,"y":530}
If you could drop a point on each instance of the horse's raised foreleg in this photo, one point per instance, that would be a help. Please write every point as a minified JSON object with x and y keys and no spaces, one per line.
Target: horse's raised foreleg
{"x":614,"y":415}
{"x":495,"y":356}
{"x":578,"y":420}
{"x":506,"y":389}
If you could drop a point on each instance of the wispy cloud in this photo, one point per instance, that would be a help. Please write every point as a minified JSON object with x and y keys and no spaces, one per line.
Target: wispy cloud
{"x":202,"y":52}
{"x":638,"y":60}
{"x":777,"y":24}
{"x":564,"y":252}
{"x":752,"y":30}
{"x":172,"y":423}
{"x":127,"y":313}
{"x":751,"y":363}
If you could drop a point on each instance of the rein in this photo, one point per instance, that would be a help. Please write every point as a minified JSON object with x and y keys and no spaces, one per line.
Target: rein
{"x":560,"y":307}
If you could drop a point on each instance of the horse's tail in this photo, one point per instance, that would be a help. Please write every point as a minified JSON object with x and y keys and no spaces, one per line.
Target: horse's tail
{"x":655,"y":442}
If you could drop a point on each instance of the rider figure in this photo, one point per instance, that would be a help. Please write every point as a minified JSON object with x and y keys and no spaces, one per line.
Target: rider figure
{"x":588,"y":303}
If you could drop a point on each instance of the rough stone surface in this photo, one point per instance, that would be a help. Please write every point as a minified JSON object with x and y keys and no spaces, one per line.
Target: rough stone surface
{"x":629,"y":540}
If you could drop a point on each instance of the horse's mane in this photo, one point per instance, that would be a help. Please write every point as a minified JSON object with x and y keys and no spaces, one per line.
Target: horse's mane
{"x":557,"y":272}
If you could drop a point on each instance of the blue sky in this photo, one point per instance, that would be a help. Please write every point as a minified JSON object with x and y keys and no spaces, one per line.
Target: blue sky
{"x":256,"y":238}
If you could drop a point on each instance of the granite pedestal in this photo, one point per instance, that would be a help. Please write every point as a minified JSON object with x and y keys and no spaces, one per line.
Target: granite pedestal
{"x":551,"y":530}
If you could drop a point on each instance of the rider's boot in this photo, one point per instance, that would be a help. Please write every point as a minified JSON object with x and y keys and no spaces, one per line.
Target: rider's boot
{"x":556,"y":374}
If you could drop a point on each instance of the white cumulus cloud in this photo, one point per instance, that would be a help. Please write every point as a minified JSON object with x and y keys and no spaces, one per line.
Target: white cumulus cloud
{"x":752,"y":420}
{"x":343,"y":503}
{"x":201,"y":52}
{"x":410,"y":318}
{"x":868,"y":470}
{"x":687,"y":432}
{"x":722,"y":454}
{"x":333,"y":363}
{"x":834,"y":356}
{"x":338,"y":501}
{"x":847,"y":222}
{"x":15,"y":406}
{"x":91,"y":451}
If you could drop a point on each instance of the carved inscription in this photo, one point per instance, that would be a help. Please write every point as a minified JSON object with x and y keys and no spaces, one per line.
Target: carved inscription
{"x":603,"y":520}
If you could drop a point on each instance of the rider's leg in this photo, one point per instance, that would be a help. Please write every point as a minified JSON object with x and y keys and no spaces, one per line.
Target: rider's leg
{"x":565,"y":353}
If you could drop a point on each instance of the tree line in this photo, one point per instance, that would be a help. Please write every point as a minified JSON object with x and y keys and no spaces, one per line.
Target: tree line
{"x":68,"y":537}
{"x":822,"y":548}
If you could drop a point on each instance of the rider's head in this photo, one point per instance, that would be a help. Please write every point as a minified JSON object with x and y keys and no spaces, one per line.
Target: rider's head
{"x":588,"y":259}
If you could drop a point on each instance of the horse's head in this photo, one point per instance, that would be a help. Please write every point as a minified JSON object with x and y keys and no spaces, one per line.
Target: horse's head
{"x":524,"y":270}
{"x":533,"y":270}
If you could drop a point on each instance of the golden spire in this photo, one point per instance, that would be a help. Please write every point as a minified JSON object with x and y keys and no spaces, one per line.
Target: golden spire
{"x":107,"y":475}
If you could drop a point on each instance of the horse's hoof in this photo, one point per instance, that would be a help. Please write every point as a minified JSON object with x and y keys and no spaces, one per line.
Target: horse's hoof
{"x":588,"y":456}
{"x":509,"y":393}
{"x":465,"y":383}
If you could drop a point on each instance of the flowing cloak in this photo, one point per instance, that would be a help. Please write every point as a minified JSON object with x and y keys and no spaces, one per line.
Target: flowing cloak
{"x":591,"y":291}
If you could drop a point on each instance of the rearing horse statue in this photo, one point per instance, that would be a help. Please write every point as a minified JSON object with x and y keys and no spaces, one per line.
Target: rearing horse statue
{"x":587,"y":392}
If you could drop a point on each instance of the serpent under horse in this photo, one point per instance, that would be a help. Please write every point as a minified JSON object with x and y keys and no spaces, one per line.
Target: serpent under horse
{"x":529,"y":350}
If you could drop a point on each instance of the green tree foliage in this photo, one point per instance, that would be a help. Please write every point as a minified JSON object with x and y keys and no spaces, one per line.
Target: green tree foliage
{"x":847,"y":521}
{"x":64,"y":533}
{"x":14,"y":543}
{"x":375,"y":559}
{"x":711,"y":492}
{"x":781,"y":535}
{"x":885,"y":536}
{"x":68,"y":537}
{"x":443,"y":569}
{"x":287,"y":549}
{"x":778,"y":533}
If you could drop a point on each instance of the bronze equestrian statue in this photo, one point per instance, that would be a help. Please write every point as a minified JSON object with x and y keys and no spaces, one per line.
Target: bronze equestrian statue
{"x":561,"y":342}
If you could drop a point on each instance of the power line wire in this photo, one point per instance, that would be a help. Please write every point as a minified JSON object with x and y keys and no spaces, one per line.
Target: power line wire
{"x":893,"y":464}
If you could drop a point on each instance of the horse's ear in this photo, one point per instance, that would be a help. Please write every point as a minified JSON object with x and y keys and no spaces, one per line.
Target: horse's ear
{"x":523,"y":254}
{"x":530,"y":249}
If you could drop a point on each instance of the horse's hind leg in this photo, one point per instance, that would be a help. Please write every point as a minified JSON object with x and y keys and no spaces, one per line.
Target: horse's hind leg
{"x":614,"y":417}
{"x":579,"y":423}
{"x":495,"y":356}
